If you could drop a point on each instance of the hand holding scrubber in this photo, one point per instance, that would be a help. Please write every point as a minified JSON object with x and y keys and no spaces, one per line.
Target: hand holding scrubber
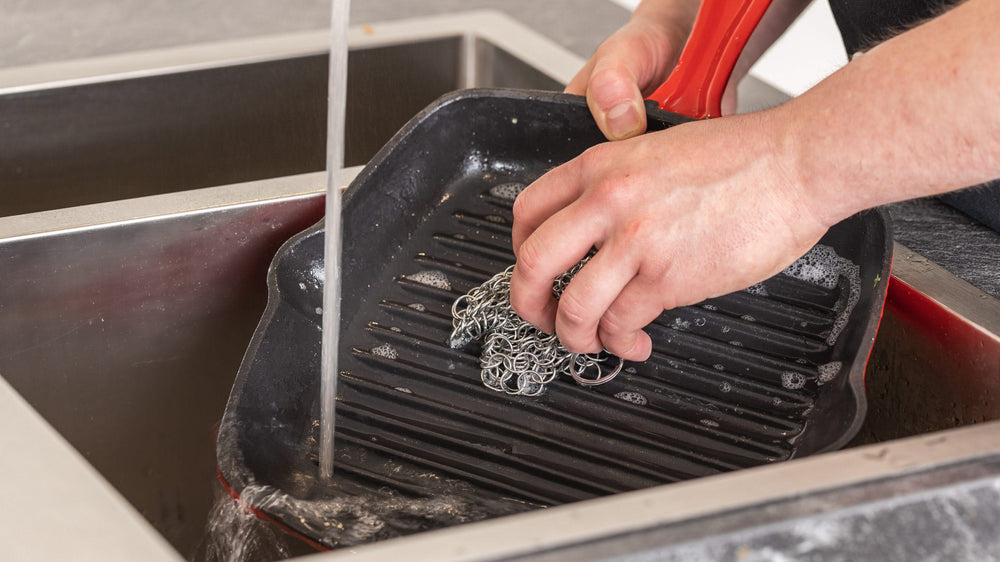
{"x":516,"y":357}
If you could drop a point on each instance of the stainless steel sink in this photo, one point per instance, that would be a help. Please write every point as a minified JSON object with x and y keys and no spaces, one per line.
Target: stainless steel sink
{"x":147,"y":194}
{"x":227,"y":113}
{"x":128,"y":300}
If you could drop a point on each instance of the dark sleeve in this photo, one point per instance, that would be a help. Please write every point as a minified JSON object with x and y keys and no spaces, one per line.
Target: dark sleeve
{"x":865,"y":23}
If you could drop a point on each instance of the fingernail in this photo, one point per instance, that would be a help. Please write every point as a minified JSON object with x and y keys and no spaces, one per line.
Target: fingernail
{"x":623,"y":121}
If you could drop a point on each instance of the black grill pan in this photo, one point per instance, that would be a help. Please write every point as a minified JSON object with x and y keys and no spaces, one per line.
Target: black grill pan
{"x":414,"y":421}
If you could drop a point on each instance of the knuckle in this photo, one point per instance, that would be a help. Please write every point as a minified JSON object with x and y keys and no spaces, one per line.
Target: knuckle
{"x":636,"y":231}
{"x":530,"y":260}
{"x":595,"y":158}
{"x":522,"y":208}
{"x":612,"y":325}
{"x":573,"y":313}
{"x":610,"y":84}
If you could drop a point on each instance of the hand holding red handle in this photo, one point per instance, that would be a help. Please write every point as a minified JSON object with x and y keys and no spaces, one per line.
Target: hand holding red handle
{"x":720,"y":32}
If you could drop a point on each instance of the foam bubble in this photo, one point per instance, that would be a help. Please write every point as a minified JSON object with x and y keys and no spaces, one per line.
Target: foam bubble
{"x":319,"y":310}
{"x":496,"y":219}
{"x":725,"y":387}
{"x":719,"y":367}
{"x":822,"y":266}
{"x":431,"y":278}
{"x":507,"y":191}
{"x":792,"y":380}
{"x":386,"y":351}
{"x":709,"y":423}
{"x":829,"y":371}
{"x":630,"y":370}
{"x":302,"y":286}
{"x":402,"y":389}
{"x":418,"y":307}
{"x":757,"y":290}
{"x":699,"y":322}
{"x":748,"y":318}
{"x":709,"y":307}
{"x":633,"y":397}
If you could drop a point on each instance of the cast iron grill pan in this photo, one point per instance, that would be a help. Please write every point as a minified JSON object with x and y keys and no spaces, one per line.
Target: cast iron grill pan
{"x":413,"y":417}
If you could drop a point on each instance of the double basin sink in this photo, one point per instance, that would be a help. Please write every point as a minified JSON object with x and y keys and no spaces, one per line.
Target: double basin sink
{"x":144,"y":195}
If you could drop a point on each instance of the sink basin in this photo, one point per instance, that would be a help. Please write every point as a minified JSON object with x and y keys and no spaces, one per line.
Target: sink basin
{"x":147,"y":194}
{"x":136,"y":297}
{"x":231,"y":112}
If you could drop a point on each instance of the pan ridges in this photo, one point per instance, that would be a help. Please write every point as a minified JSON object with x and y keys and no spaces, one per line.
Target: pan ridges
{"x":737,"y":381}
{"x":712,"y":394}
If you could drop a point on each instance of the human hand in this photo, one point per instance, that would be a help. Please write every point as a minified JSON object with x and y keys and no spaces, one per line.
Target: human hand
{"x":678,"y":216}
{"x":630,"y":64}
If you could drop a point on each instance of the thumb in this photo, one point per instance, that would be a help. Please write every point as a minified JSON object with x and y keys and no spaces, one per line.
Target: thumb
{"x":615,"y":100}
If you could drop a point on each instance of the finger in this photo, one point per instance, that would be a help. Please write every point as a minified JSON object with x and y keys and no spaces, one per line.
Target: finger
{"x":615,"y":99}
{"x":578,"y":85}
{"x":556,"y":246}
{"x":550,"y":193}
{"x":589,"y":295}
{"x":621,"y":328}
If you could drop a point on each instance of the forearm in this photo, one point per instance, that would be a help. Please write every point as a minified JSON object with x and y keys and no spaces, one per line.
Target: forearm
{"x":917,"y":115}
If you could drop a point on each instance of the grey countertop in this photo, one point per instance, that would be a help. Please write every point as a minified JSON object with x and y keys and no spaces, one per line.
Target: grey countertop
{"x":964,"y":247}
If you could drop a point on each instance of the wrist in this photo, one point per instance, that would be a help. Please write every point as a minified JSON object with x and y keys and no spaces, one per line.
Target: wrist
{"x":812,"y":178}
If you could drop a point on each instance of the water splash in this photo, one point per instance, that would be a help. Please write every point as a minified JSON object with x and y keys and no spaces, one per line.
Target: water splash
{"x":235,"y":534}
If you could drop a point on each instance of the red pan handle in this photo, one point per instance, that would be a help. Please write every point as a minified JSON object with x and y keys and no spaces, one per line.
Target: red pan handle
{"x":720,"y":32}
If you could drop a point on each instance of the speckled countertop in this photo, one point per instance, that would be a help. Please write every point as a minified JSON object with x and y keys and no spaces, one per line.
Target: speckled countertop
{"x":949,"y":238}
{"x":55,"y":30}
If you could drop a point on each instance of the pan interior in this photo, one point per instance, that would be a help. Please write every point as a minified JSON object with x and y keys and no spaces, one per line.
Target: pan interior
{"x":747,"y":379}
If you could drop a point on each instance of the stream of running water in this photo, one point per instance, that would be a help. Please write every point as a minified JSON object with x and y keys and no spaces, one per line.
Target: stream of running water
{"x":336,"y":108}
